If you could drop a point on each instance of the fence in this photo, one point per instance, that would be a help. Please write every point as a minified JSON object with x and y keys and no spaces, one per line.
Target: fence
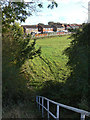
{"x":50,"y":34}
{"x":40,"y":102}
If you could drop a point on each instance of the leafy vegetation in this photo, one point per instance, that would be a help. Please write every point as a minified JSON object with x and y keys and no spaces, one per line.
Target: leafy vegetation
{"x":16,"y":50}
{"x":78,"y":82}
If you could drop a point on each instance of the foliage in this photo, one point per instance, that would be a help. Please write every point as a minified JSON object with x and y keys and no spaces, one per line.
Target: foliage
{"x":72,"y":30}
{"x":16,"y":48}
{"x":13,"y":11}
{"x":52,"y":4}
{"x":77,"y":85}
{"x":20,"y":46}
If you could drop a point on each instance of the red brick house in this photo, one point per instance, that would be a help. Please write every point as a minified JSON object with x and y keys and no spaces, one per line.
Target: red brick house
{"x":30,"y":28}
{"x":57,"y":26}
{"x":44,"y":28}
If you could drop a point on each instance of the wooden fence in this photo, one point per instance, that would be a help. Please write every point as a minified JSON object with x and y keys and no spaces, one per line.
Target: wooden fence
{"x":40,"y":102}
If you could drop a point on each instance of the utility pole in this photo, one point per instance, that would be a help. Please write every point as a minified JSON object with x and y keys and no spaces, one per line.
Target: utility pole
{"x":89,"y":12}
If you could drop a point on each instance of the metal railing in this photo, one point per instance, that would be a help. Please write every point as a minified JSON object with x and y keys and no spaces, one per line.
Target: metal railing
{"x":40,"y":102}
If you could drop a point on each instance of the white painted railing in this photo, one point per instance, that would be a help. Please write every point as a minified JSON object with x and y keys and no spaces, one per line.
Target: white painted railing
{"x":40,"y":102}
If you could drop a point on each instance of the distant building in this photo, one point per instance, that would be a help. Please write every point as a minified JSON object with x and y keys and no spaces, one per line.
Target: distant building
{"x":68,"y":27}
{"x":51,"y":27}
{"x":30,"y":28}
{"x":44,"y":28}
{"x":60,"y":28}
{"x":57,"y":26}
{"x":73,"y":26}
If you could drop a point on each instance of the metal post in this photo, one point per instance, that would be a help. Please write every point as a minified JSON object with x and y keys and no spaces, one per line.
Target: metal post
{"x":42,"y":107}
{"x":57,"y":112}
{"x":48,"y":108}
{"x":37,"y":100}
{"x":82,"y":116}
{"x":39,"y":103}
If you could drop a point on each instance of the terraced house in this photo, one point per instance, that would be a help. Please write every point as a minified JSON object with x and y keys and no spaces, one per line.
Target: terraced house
{"x":51,"y":27}
{"x":44,"y":28}
{"x":57,"y":26}
{"x":30,"y":28}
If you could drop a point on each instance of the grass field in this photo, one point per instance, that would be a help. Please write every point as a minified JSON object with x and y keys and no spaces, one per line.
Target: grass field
{"x":53,"y":64}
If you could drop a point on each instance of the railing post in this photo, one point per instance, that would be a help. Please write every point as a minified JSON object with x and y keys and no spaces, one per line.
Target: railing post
{"x":42,"y":107}
{"x":48,"y":108}
{"x":39,"y":103}
{"x":57,"y":112}
{"x":37,"y":100}
{"x":82,"y":116}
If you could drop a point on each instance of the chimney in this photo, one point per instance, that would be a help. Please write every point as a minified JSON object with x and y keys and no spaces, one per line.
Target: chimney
{"x":89,"y":12}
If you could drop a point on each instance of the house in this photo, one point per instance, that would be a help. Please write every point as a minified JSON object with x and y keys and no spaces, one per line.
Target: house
{"x":68,"y":27}
{"x":30,"y":28}
{"x":57,"y":26}
{"x":44,"y":28}
{"x":51,"y":27}
{"x":37,"y":28}
{"x":75,"y":26}
{"x":60,"y":28}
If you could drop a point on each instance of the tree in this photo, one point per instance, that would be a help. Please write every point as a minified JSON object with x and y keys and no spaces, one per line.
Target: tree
{"x":17,"y":47}
{"x":12,"y":11}
{"x":78,"y":84}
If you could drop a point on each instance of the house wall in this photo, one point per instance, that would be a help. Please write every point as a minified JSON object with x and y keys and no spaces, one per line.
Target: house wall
{"x":47,"y":29}
{"x":60,"y":29}
{"x":29,"y":30}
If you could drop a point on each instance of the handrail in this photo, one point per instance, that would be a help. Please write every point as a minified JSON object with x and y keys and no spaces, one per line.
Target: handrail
{"x":82,"y":112}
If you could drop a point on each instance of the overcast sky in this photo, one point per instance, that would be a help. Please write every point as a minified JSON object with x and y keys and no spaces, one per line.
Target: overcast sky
{"x":68,"y":11}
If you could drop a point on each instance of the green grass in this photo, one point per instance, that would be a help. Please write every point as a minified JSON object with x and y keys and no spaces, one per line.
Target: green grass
{"x":55,"y":67}
{"x":53,"y":47}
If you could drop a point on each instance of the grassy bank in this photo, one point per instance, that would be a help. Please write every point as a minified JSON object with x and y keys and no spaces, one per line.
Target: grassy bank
{"x":52,"y":65}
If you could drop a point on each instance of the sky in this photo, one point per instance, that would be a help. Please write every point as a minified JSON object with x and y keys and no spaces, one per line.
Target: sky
{"x":68,"y":11}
